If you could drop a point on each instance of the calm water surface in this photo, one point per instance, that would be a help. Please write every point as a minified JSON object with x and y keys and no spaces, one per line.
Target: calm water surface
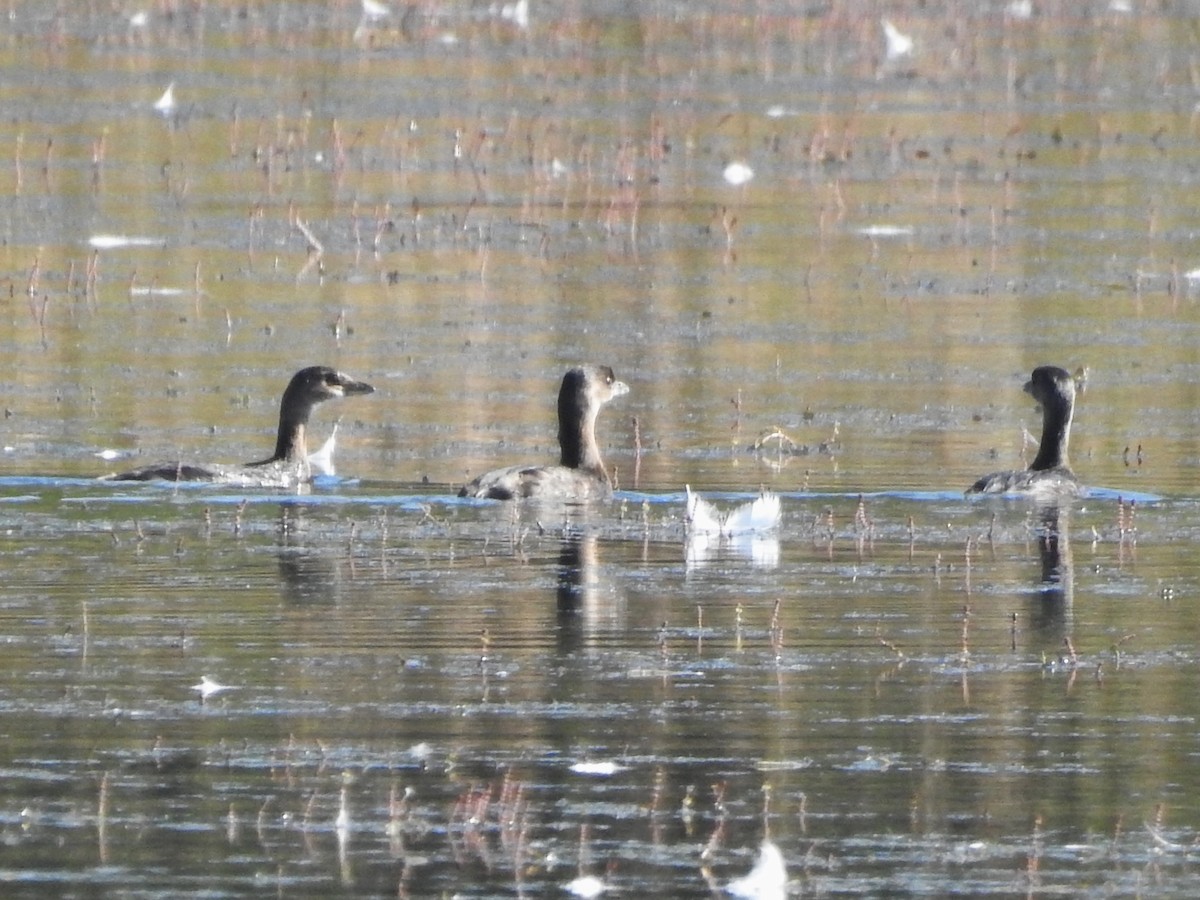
{"x":907,"y":693}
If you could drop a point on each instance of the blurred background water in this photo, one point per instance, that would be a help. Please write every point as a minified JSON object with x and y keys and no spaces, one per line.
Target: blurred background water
{"x":770,"y":221}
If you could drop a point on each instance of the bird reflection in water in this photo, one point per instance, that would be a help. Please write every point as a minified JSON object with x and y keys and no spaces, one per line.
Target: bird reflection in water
{"x":1052,"y":612}
{"x":308,"y":576}
{"x":586,"y":608}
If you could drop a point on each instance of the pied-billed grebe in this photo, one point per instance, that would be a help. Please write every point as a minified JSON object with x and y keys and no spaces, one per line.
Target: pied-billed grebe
{"x":580,"y":474}
{"x":1050,"y":473}
{"x":289,"y":464}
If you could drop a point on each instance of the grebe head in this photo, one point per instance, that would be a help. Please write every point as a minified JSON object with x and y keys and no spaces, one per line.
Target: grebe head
{"x":316,"y":384}
{"x":585,"y":389}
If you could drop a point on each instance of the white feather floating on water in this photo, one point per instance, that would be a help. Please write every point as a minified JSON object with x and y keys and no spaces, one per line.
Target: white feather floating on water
{"x":517,"y":13}
{"x":737,"y":173}
{"x":373,"y":10}
{"x":586,"y":886}
{"x":116,"y":241}
{"x":755,"y":517}
{"x":898,"y":43}
{"x":210,"y":686}
{"x":1019,"y":9}
{"x":885,"y":230}
{"x":597,"y":767}
{"x":747,"y":530}
{"x":157,"y":291}
{"x":165,"y":105}
{"x":767,"y":880}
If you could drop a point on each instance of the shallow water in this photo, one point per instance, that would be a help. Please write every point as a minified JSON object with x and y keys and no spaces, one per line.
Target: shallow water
{"x":907,"y":692}
{"x":505,"y":706}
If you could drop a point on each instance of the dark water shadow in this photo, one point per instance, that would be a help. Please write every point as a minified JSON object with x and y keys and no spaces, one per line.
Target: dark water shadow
{"x":586,"y":608}
{"x":1051,"y":608}
{"x":308,"y":575}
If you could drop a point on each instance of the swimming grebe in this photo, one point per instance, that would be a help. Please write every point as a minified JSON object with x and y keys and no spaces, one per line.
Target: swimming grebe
{"x":1050,"y":473}
{"x":580,"y":474}
{"x":289,"y":464}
